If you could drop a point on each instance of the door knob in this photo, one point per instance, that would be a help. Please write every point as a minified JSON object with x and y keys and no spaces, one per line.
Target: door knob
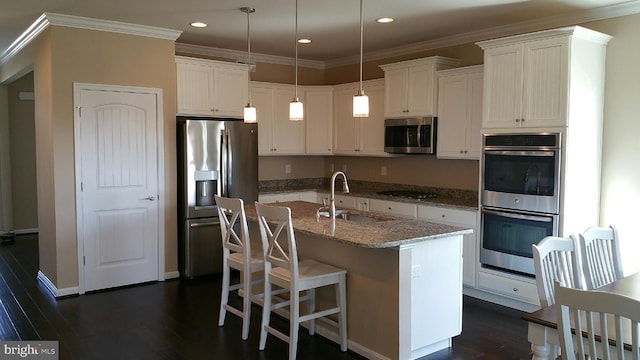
{"x":150,"y":198}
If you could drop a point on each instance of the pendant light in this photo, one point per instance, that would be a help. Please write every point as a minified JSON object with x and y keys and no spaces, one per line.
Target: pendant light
{"x":360,"y":100}
{"x":296,"y":109}
{"x":249,"y":110}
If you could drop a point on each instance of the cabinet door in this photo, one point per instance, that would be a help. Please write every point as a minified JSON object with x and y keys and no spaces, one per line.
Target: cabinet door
{"x":194,"y":89}
{"x":395,"y":82}
{"x":262,"y":99}
{"x":230,"y":91}
{"x":452,"y":116}
{"x":502,"y":86}
{"x":420,"y":88}
{"x":371,"y":129}
{"x":467,"y":219}
{"x":288,"y":136}
{"x":545,"y":81}
{"x":345,"y":130}
{"x":475,"y":100}
{"x":319,"y":121}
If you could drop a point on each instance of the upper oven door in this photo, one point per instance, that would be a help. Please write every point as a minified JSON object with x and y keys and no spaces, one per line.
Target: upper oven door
{"x":521,"y":179}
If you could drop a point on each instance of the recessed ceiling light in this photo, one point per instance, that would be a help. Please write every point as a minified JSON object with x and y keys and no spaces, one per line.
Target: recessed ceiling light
{"x":385,"y":20}
{"x":304,"y":41}
{"x":198,"y":24}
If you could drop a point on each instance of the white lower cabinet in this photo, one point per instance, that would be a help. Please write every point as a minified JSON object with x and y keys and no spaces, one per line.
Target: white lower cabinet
{"x":512,"y":286}
{"x":462,"y":218}
{"x":279,"y":197}
{"x":393,"y":208}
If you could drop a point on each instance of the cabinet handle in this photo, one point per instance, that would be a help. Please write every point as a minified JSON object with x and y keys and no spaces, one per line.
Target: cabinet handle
{"x":517,"y":120}
{"x":389,"y":207}
{"x":443,"y":216}
{"x":515,"y":290}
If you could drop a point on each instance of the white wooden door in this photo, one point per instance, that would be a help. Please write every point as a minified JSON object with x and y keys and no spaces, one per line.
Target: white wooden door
{"x":345,"y":131}
{"x":503,"y":87}
{"x":546,"y":69}
{"x":119,"y":187}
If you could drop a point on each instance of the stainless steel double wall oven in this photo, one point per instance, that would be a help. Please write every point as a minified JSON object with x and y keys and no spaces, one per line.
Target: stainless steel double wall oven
{"x":520,"y":183}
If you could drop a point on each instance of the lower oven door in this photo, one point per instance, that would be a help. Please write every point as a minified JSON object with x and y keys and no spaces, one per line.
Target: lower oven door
{"x":507,"y":237}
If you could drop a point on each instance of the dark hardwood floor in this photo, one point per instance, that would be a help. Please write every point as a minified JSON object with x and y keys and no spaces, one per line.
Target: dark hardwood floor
{"x":177,"y":319}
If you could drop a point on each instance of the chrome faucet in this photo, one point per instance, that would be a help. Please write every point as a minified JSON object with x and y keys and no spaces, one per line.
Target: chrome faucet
{"x":332,"y":199}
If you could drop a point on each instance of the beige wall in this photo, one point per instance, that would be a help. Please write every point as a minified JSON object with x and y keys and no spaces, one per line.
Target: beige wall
{"x":23,"y":155}
{"x":621,"y":145}
{"x":61,"y":57}
{"x":6,"y":220}
{"x":273,"y":167}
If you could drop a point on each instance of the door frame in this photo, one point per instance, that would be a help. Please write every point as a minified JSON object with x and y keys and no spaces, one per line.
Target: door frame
{"x":157,"y":92}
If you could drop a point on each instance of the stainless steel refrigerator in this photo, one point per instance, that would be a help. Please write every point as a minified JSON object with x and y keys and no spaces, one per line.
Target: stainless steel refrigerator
{"x":215,"y":156}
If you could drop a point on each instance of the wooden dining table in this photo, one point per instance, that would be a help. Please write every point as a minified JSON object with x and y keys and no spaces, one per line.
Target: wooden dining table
{"x":543,"y":323}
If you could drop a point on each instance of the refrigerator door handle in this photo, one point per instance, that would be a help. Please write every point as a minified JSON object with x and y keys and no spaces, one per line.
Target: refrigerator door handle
{"x":224,"y":162}
{"x":210,"y":223}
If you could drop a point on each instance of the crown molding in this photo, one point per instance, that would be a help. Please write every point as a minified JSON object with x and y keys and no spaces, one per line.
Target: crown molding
{"x":47,"y":19}
{"x":605,"y":12}
{"x":241,"y":56}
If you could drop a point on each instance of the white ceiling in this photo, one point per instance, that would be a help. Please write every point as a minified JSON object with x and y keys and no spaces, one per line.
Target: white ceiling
{"x":333,"y":25}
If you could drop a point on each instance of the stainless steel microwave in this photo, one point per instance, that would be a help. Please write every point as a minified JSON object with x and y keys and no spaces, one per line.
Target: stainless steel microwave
{"x":415,"y":135}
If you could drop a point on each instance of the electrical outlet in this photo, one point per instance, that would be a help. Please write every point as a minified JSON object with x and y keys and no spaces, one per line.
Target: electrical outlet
{"x":383,"y":170}
{"x":287,"y":169}
{"x":416,"y":271}
{"x":344,"y":168}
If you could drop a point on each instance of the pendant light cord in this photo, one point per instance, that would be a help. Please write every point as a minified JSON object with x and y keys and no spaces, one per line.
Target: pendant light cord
{"x":296,"y":40}
{"x":249,"y":52}
{"x":361,"y":31}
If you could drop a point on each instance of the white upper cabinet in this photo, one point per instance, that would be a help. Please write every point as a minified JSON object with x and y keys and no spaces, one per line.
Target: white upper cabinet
{"x":277,"y":135}
{"x":318,"y":103}
{"x":211,"y":88}
{"x":359,"y":136}
{"x":411,"y":87}
{"x":529,"y":78}
{"x":460,"y":113}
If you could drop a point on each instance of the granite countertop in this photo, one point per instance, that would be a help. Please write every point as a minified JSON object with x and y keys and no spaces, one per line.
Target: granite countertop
{"x":388,"y":232}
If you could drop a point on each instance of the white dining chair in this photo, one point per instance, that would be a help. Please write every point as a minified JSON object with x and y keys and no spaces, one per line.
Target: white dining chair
{"x":596,"y":315}
{"x":600,"y":252}
{"x":237,"y":254}
{"x":556,"y":259}
{"x":284,"y":270}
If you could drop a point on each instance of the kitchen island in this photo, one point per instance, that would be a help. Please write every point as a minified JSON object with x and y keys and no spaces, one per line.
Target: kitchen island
{"x":404,"y":278}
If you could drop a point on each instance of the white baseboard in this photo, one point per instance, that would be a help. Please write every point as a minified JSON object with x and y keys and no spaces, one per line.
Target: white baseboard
{"x":54,"y":290}
{"x":171,"y":275}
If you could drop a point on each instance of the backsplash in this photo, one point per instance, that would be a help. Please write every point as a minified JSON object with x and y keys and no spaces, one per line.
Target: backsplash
{"x":361,"y":187}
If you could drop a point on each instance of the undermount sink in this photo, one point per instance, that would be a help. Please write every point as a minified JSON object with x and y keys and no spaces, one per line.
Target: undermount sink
{"x":326,"y":213}
{"x":353,"y":217}
{"x":359,"y":218}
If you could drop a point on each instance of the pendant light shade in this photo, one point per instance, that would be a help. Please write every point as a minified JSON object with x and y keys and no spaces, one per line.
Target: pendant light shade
{"x":249,"y":110}
{"x":296,"y":108}
{"x":361,"y":100}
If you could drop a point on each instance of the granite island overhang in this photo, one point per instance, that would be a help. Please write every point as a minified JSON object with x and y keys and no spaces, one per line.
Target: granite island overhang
{"x":404,"y":278}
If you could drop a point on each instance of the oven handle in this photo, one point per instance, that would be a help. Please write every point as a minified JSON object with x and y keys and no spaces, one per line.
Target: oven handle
{"x":524,"y":216}
{"x":521,"y":153}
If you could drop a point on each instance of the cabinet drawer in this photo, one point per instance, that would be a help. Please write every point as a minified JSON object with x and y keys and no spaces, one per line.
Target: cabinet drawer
{"x":275,"y":198}
{"x":448,"y":216}
{"x":520,"y":290}
{"x":393,"y":208}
